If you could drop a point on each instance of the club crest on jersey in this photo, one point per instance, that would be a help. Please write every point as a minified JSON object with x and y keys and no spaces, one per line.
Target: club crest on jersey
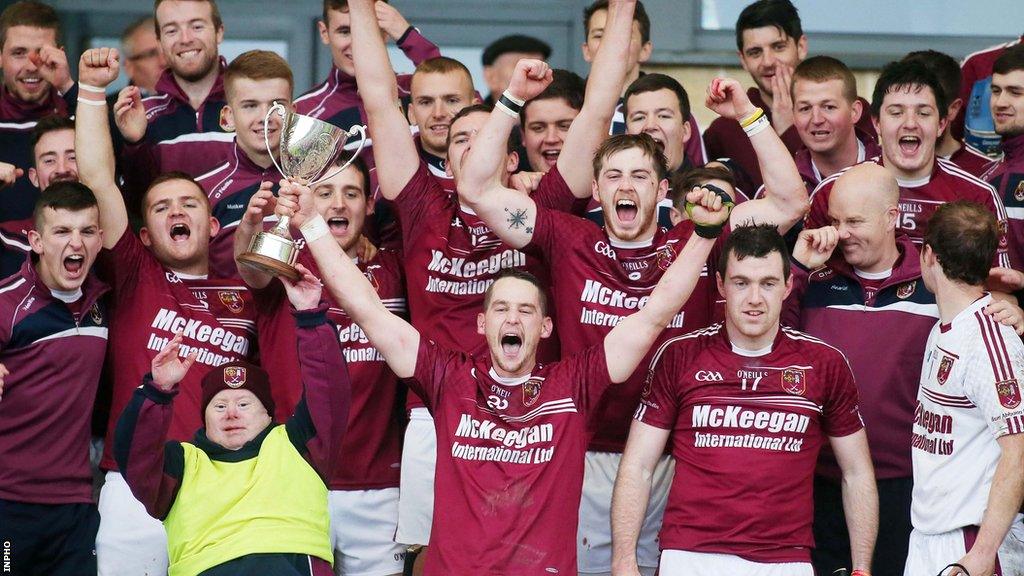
{"x":794,"y":381}
{"x":905,"y":290}
{"x":1009,"y":393}
{"x":531,"y":391}
{"x":1018,"y":193}
{"x":95,"y":314}
{"x":666,"y":255}
{"x":231,"y":300}
{"x":945,"y":367}
{"x":234,"y":376}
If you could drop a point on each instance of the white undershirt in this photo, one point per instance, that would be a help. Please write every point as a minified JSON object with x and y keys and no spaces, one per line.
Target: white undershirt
{"x":184,"y":276}
{"x":751,"y":353}
{"x":873,"y":275}
{"x":508,"y":381}
{"x":67,"y":296}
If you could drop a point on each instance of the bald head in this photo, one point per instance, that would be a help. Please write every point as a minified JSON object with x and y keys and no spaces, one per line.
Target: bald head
{"x":864,"y":207}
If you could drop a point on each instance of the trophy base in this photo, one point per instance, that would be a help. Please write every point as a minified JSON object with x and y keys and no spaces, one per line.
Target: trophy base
{"x":269,"y":265}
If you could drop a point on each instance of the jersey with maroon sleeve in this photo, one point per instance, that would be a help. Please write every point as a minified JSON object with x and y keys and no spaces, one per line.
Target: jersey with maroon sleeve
{"x":867,"y":147}
{"x":972,"y":161}
{"x":598,"y":283}
{"x":229,"y":186}
{"x":151,"y":303}
{"x":452,"y":256}
{"x":919,"y":199}
{"x":54,"y":352}
{"x":746,"y":431}
{"x":509,"y":460}
{"x":1007,"y":176}
{"x":369,"y":455}
{"x":724,"y":138}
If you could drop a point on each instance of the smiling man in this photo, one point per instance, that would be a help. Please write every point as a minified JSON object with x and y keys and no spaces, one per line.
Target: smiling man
{"x":161,"y":283}
{"x":910,"y":112}
{"x":52,"y":343}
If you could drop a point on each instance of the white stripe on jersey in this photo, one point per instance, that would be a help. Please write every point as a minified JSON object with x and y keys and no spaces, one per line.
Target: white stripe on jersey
{"x":929,"y":310}
{"x":13,"y":286}
{"x":706,"y":331}
{"x":782,"y":400}
{"x":989,"y":49}
{"x":200,"y":137}
{"x":97,"y":331}
{"x":549,"y":407}
{"x":18,"y":125}
{"x":212,"y":172}
{"x":640,"y":411}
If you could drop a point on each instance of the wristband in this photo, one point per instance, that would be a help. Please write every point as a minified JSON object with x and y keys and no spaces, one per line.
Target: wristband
{"x":90,"y":88}
{"x":710,"y":230}
{"x":509,"y":104}
{"x":860,"y":573}
{"x":314,"y":229}
{"x":88,"y":102}
{"x":759,"y":125}
{"x":758,"y":113}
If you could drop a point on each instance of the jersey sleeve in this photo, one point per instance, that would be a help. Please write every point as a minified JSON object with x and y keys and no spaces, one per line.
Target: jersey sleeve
{"x":433,"y":366}
{"x":589,"y":370}
{"x":422,"y":200}
{"x":991,"y":382}
{"x":125,"y":262}
{"x":840,"y":410}
{"x":659,"y":397}
{"x":991,"y":200}
{"x":553,"y":192}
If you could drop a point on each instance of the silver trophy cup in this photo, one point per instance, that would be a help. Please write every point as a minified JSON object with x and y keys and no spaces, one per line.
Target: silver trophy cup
{"x":309,"y":147}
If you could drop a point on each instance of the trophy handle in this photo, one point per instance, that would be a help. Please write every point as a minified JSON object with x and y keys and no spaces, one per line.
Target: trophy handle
{"x":281,"y":111}
{"x":362,"y":142}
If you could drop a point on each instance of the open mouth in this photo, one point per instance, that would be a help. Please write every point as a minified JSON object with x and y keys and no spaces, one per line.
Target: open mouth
{"x":32,"y":82}
{"x":909,"y":145}
{"x":821,"y":133}
{"x":74,"y":264}
{"x":189,"y":54}
{"x":180,"y":232}
{"x":511,"y":344}
{"x":551,"y":156}
{"x":338,"y":225}
{"x":626,"y":210}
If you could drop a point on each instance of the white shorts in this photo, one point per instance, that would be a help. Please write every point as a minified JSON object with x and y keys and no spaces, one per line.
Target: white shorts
{"x":416,"y":501}
{"x":930,"y":553}
{"x":130,"y":541}
{"x":363,"y":526}
{"x":680,"y":562}
{"x":594,"y":539}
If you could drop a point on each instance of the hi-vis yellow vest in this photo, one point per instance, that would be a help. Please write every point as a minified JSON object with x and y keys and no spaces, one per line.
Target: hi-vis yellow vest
{"x":273,"y":503}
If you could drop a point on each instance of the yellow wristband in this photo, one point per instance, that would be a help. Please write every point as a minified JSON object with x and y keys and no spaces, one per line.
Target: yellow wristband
{"x":758,"y":113}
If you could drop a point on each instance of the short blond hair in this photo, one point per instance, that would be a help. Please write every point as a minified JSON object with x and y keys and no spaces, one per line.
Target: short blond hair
{"x":258,"y":65}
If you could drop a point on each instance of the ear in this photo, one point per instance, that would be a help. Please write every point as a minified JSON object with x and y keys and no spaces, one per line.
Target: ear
{"x":512,"y":162}
{"x":546,"y":327}
{"x":675,"y":215}
{"x":214,"y":226}
{"x":801,"y":47}
{"x":227,"y":119}
{"x":480,"y":324}
{"x":662,"y":189}
{"x":220,"y":34}
{"x":720,"y":284}
{"x":322,"y":28}
{"x":144,"y":237}
{"x":893,"y":215}
{"x":587,"y":56}
{"x":33,"y":177}
{"x":645,"y":52}
{"x":371,"y":206}
{"x":789,"y":287}
{"x":954,"y":107}
{"x":878,"y":130}
{"x":687,"y":133}
{"x":943,"y":123}
{"x":858,"y":111}
{"x":595,"y":192}
{"x":35,"y":241}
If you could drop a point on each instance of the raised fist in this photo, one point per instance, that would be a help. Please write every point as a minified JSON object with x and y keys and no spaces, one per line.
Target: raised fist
{"x":99,"y":66}
{"x":529,"y":79}
{"x":9,"y":173}
{"x":52,"y":63}
{"x":390,"y":20}
{"x":814,"y":247}
{"x":728,"y":99}
{"x":706,"y":208}
{"x":295,"y":200}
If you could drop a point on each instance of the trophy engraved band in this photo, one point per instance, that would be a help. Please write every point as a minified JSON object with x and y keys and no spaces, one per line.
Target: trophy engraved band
{"x":308,"y":148}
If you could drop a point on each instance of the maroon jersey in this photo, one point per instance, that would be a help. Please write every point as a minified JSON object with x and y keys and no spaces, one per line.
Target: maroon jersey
{"x":369,"y":456}
{"x":867,"y":147}
{"x":972,"y":161}
{"x":1007,"y":177}
{"x":919,"y":199}
{"x":452,"y":256}
{"x":598,"y":283}
{"x":724,"y":138}
{"x":746,"y":431}
{"x":151,"y":304}
{"x":509,"y":460}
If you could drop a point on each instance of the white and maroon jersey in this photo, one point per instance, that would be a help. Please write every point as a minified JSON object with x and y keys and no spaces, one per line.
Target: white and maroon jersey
{"x":451,"y":257}
{"x":369,"y":456}
{"x":919,"y":199}
{"x":746,"y":431}
{"x":969,"y":397}
{"x":509,"y":460}
{"x":597,"y":281}
{"x":150,"y":304}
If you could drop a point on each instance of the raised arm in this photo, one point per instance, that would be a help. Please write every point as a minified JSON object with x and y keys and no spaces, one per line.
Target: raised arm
{"x":394,"y":150}
{"x":413,"y":44}
{"x":94,"y":149}
{"x":260,"y":206}
{"x":785,"y":199}
{"x":632,"y":493}
{"x":860,"y":496}
{"x":395,"y":338}
{"x":627,"y":343}
{"x":607,"y":75}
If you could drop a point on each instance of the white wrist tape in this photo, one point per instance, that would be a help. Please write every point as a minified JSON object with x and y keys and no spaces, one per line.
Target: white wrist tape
{"x":314,"y":229}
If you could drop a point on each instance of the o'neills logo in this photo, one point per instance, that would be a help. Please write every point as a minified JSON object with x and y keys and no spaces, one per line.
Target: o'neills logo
{"x":1009,"y":393}
{"x":234,"y":376}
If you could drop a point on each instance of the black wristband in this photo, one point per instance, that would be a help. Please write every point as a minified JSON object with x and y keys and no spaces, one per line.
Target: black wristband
{"x":710,"y":232}
{"x":508,"y":103}
{"x":405,"y":34}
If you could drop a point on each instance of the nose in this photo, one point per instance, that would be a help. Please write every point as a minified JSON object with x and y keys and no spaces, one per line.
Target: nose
{"x":816,"y":116}
{"x":755,"y":296}
{"x":186,"y":34}
{"x":76,"y":239}
{"x":231,"y":412}
{"x":337,"y":202}
{"x":998,"y":100}
{"x":551,"y":134}
{"x":439,"y":110}
{"x":769,"y":59}
{"x":843,"y":230}
{"x":649,"y":125}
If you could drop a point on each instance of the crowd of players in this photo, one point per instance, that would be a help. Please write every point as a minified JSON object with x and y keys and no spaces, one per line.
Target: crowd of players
{"x":560,"y":329}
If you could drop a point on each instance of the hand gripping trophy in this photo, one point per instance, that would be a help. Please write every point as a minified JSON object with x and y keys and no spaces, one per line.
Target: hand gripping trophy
{"x":308,"y":148}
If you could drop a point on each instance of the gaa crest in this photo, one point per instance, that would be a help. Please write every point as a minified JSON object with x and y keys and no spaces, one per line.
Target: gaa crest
{"x":1009,"y":393}
{"x":905,"y":290}
{"x":945,"y":367}
{"x":95,"y":314}
{"x":666,"y":255}
{"x":231,"y":300}
{"x":531,"y":391}
{"x":1018,"y":193}
{"x":234,"y":376}
{"x":794,"y":381}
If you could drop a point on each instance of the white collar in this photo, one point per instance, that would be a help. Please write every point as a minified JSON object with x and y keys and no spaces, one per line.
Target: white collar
{"x":751,"y":353}
{"x":507,"y":381}
{"x":873,"y":275}
{"x":67,"y":296}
